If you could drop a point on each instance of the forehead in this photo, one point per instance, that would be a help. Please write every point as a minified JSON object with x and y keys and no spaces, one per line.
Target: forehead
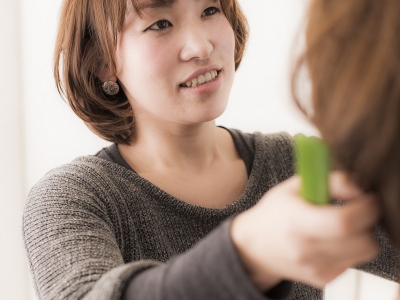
{"x":137,"y":8}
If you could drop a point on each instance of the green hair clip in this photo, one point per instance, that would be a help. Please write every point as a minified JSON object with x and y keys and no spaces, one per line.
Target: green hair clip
{"x":313,"y":166}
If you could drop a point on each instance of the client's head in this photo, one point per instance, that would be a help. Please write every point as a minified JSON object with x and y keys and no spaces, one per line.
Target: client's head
{"x":353,"y":59}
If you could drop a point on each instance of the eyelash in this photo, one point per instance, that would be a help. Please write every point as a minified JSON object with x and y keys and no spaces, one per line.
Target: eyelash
{"x":167,"y":23}
{"x":215,"y":9}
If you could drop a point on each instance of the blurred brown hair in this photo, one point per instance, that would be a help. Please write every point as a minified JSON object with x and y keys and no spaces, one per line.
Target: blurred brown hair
{"x":86,"y":44}
{"x":353,"y":59}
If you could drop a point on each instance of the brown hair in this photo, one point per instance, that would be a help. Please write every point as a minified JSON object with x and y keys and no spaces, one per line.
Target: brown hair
{"x":353,"y":59}
{"x":85,"y":45}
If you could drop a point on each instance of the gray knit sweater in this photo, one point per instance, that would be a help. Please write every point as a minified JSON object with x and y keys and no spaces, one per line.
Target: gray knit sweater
{"x":93,"y":229}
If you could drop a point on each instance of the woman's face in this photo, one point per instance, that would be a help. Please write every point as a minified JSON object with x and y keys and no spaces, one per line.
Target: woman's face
{"x":187,"y":41}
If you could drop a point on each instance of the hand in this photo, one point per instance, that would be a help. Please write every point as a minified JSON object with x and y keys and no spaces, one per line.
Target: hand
{"x":285,"y":237}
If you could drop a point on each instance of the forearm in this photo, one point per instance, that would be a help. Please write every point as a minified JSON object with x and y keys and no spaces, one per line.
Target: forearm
{"x":210,"y":270}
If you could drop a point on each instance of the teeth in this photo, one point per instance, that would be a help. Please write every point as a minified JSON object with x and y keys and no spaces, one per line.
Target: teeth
{"x":207,"y":77}
{"x":202,"y":79}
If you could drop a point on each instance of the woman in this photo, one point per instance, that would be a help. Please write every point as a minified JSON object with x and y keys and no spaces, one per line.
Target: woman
{"x":178,"y":208}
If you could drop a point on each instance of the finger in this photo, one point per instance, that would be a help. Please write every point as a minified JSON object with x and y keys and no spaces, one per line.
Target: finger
{"x":331,"y":259}
{"x":362,"y":213}
{"x":342,"y":186}
{"x":292,"y":184}
{"x":328,"y":221}
{"x":334,"y":222}
{"x":350,"y":251}
{"x":319,"y":278}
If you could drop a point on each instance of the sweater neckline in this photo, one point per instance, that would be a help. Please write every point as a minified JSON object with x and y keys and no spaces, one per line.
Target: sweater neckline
{"x":155,"y":192}
{"x":244,"y":144}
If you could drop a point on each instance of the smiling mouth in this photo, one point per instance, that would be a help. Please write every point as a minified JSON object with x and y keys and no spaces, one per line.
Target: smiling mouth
{"x":202,"y":79}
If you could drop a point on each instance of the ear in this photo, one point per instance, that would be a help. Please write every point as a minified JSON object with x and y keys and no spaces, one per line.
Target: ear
{"x":103,"y":73}
{"x":109,"y":78}
{"x":96,"y":65}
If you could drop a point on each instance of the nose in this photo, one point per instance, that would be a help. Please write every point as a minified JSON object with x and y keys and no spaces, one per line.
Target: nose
{"x":196,"y":44}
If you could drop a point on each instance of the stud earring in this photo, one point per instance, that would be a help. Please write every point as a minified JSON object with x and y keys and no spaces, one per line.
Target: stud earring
{"x":110,"y":88}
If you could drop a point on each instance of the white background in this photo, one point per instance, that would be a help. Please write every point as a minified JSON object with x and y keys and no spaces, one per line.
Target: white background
{"x":38,"y":131}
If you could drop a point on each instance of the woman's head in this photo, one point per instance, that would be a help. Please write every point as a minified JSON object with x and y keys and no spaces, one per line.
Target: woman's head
{"x":353,"y":59}
{"x":86,"y":54}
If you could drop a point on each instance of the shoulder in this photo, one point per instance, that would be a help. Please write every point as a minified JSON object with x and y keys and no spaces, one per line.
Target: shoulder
{"x":274,"y":155}
{"x":279,"y":140}
{"x":88,"y":194}
{"x":87,"y":182}
{"x":84,"y":172}
{"x":280,"y":143}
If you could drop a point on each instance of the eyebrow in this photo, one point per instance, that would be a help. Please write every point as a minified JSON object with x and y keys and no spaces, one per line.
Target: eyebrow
{"x":159,"y":4}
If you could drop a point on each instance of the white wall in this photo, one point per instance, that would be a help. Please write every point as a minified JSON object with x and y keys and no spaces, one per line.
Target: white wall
{"x":53,"y":134}
{"x":260,"y":98}
{"x":12,"y":268}
{"x":38,"y":131}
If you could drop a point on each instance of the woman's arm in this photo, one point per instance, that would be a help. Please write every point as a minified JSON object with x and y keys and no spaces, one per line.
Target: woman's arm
{"x":74,"y":253}
{"x":210,"y":270}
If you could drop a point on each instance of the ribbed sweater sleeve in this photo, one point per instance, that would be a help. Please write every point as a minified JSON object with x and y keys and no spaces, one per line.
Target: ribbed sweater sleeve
{"x":210,"y":270}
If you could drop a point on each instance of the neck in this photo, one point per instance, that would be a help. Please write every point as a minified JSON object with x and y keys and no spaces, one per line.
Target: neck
{"x":186,"y":147}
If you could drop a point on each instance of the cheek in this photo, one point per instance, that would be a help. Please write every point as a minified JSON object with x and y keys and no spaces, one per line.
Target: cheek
{"x":141,"y":60}
{"x":153,"y":59}
{"x":225,"y":37}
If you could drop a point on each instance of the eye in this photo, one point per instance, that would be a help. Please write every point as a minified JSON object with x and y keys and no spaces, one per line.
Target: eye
{"x":160,"y":25}
{"x":210,"y":11}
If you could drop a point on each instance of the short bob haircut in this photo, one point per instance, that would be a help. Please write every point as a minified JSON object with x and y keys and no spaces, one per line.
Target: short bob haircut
{"x":353,"y":59}
{"x":85,"y":45}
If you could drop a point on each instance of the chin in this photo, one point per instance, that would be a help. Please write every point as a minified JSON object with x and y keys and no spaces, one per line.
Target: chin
{"x":198,"y":119}
{"x":212,"y":114}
